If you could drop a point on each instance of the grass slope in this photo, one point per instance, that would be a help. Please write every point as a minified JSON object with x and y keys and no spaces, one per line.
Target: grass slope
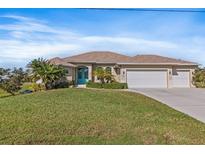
{"x":82,"y":116}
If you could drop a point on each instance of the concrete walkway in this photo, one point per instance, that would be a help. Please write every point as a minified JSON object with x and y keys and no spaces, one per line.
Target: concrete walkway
{"x":191,"y":101}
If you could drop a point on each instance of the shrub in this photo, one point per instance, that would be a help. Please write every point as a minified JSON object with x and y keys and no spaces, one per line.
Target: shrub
{"x":199,"y":78}
{"x":71,"y":83}
{"x":33,"y":87}
{"x":200,"y":84}
{"x":93,"y":85}
{"x":12,"y":80}
{"x":27,"y":86}
{"x":10,"y":87}
{"x":3,"y":93}
{"x":60,"y":84}
{"x":113,"y":85}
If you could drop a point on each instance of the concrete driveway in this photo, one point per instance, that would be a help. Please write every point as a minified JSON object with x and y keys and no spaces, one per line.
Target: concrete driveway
{"x":191,"y":101}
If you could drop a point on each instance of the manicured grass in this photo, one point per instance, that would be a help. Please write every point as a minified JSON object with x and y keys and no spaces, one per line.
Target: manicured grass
{"x":86,"y":116}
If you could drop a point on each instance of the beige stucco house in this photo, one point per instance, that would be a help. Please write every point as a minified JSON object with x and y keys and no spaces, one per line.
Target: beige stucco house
{"x":140,"y":71}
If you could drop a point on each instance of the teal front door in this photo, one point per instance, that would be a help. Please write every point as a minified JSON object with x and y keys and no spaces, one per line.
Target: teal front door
{"x":82,"y":75}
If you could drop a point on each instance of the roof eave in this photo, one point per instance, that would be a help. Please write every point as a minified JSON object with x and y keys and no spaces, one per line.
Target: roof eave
{"x":180,"y":64}
{"x":69,"y":65}
{"x":92,"y":62}
{"x":64,"y":64}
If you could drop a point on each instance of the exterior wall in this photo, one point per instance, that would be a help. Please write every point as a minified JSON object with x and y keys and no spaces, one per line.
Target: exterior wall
{"x":121,"y":76}
{"x":191,"y":77}
{"x":71,"y":75}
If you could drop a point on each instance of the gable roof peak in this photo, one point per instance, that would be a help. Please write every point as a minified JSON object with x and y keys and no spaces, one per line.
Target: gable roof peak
{"x":99,"y":57}
{"x":101,"y":52}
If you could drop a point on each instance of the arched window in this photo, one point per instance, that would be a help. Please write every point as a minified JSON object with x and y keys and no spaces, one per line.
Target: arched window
{"x":98,"y":68}
{"x":98,"y":72}
{"x":108,"y":70}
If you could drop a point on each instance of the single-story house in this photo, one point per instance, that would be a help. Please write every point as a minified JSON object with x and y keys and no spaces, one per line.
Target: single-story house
{"x":140,"y":71}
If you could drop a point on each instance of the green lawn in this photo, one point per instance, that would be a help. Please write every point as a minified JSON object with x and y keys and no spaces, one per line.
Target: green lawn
{"x":83,"y":116}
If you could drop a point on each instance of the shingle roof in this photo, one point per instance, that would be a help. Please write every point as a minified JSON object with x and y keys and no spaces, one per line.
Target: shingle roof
{"x":59,"y":61}
{"x":112,"y":57}
{"x":99,"y":57}
{"x":158,"y":59}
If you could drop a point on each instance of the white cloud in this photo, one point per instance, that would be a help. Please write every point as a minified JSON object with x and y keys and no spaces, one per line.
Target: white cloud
{"x":21,"y":50}
{"x":19,"y":18}
{"x":130,"y":42}
{"x":31,"y":38}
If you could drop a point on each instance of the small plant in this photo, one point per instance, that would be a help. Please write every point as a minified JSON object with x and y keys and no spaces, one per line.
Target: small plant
{"x":33,"y":87}
{"x":63,"y":83}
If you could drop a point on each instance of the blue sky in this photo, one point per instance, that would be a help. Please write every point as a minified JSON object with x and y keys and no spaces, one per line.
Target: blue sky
{"x":31,"y":33}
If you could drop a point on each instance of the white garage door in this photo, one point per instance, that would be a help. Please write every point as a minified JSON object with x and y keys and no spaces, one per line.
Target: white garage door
{"x":180,"y":79}
{"x":147,"y":79}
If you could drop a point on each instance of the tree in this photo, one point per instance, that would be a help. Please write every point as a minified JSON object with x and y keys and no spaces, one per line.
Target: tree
{"x":12,"y":80}
{"x":20,"y":75}
{"x":42,"y":69}
{"x":104,"y":75}
{"x":108,"y":75}
{"x":100,"y":73}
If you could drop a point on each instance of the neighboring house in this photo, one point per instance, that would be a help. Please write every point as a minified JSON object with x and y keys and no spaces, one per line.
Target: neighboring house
{"x":140,"y":71}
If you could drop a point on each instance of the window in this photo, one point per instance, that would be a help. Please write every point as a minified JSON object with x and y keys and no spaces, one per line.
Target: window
{"x":108,"y":70}
{"x":67,"y":71}
{"x":86,"y":73}
{"x":118,"y":71}
{"x":80,"y":73}
{"x":99,"y":70}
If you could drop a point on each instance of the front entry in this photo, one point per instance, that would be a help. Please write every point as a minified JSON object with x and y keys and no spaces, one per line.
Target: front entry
{"x":82,"y":77}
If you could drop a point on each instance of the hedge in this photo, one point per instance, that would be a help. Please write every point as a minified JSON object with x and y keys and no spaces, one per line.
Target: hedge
{"x":113,"y":85}
{"x":32,"y":86}
{"x":200,"y":84}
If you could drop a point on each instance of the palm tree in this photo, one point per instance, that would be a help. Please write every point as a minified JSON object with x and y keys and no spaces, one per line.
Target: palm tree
{"x":104,"y":75}
{"x":100,"y":73}
{"x":42,"y":69}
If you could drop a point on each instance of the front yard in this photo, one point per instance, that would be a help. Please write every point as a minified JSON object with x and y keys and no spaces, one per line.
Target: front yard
{"x":83,"y":116}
